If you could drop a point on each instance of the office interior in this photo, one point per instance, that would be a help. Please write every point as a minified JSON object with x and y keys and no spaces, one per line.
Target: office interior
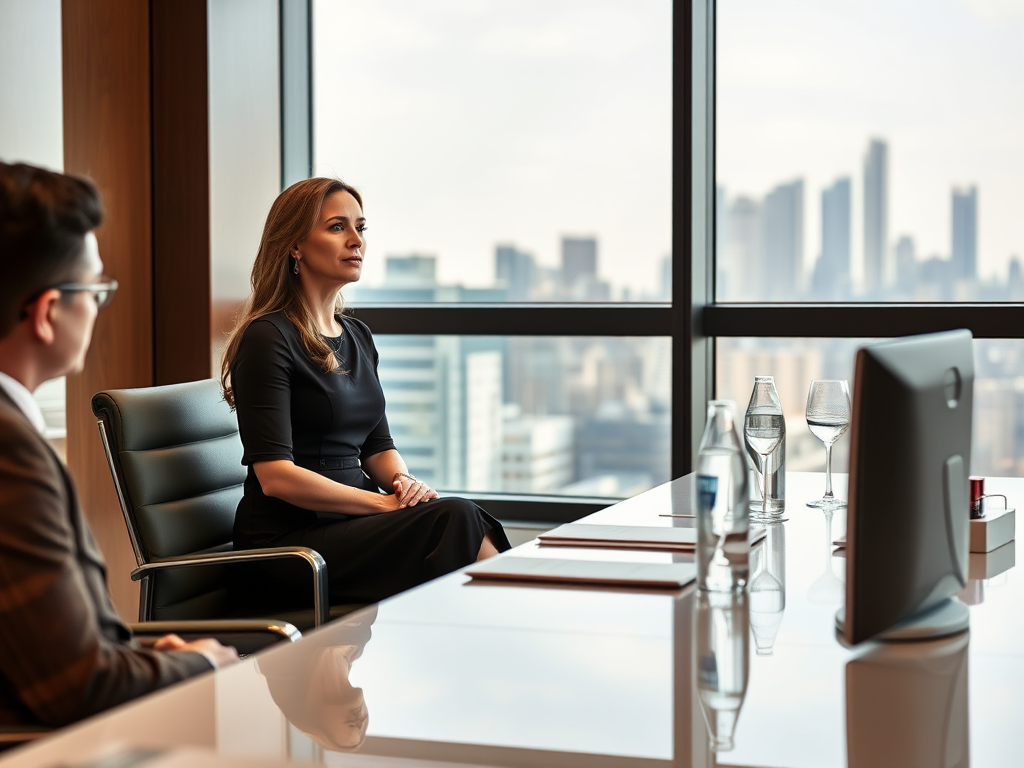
{"x":152,"y":99}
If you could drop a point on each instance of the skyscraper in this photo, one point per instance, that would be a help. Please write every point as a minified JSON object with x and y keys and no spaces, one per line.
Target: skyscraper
{"x":783,"y":219}
{"x":579,"y":270}
{"x":516,"y":270}
{"x":740,"y":254}
{"x":832,"y":273}
{"x":876,"y":216}
{"x":579,"y":258}
{"x":965,"y":234}
{"x":906,"y":264}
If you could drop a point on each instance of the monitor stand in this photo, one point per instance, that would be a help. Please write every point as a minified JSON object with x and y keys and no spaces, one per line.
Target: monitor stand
{"x":950,"y":617}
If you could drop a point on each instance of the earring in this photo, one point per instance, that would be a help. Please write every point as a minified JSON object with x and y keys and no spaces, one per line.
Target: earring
{"x":295,"y":269}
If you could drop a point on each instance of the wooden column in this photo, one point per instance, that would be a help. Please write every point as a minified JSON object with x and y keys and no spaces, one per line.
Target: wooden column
{"x":135,"y":122}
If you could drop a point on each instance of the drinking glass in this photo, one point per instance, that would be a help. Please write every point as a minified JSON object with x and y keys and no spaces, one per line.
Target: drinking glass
{"x":763,"y":428}
{"x":828,"y":418}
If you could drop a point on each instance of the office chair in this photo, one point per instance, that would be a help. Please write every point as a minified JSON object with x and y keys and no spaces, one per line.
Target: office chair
{"x":175,"y":457}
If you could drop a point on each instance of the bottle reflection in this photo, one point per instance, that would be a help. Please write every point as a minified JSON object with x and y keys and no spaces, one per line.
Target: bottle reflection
{"x":312,"y":688}
{"x":906,"y":705}
{"x":768,"y":588}
{"x":722,"y":643}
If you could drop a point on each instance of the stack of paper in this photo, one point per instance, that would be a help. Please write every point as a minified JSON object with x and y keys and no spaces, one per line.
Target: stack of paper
{"x":613,"y":573}
{"x":630,"y":537}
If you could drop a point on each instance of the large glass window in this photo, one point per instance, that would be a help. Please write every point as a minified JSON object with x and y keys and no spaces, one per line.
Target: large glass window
{"x":568,"y":416}
{"x":509,"y":151}
{"x":869,"y":151}
{"x":998,"y":444}
{"x":33,"y":132}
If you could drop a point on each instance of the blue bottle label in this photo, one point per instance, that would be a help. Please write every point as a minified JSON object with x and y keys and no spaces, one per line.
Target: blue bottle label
{"x":707,"y":673}
{"x":707,"y":491}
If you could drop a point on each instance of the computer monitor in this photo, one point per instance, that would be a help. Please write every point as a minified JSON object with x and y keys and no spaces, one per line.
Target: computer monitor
{"x":908,"y":518}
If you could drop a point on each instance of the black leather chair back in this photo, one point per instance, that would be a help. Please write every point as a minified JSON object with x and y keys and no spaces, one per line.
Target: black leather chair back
{"x":175,"y":454}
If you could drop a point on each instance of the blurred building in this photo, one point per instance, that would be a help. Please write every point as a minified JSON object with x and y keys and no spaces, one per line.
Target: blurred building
{"x":783,"y":243}
{"x":876,"y":217}
{"x":537,"y":453}
{"x":964,"y":247}
{"x":832,"y":272}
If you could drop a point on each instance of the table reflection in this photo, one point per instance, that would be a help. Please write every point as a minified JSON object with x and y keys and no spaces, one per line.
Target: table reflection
{"x":722,"y":642}
{"x":906,"y":705}
{"x":768,"y":588}
{"x":312,"y":689}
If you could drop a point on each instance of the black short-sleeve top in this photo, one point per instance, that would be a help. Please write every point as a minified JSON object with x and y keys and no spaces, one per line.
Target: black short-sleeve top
{"x":289,"y":408}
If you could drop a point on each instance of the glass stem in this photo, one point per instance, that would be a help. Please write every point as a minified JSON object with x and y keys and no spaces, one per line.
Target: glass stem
{"x":828,"y":470}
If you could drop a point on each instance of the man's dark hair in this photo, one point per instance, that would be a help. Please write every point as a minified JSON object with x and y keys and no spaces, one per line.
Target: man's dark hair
{"x":44,"y":217}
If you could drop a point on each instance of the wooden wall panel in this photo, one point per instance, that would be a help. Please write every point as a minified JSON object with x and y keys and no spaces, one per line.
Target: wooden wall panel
{"x":136,"y":123}
{"x":106,"y":71}
{"x":181,"y":195}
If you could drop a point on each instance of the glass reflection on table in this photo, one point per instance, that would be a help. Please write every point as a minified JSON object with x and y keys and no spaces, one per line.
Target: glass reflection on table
{"x":768,"y":588}
{"x":722,"y":652}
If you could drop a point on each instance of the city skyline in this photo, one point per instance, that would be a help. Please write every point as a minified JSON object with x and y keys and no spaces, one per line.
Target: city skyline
{"x":762,"y":254}
{"x":799,"y":96}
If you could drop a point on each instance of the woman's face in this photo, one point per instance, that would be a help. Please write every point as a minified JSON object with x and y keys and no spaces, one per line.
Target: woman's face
{"x":332,"y":253}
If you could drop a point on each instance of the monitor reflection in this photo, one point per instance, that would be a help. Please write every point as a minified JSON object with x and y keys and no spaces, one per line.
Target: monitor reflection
{"x":906,"y":705}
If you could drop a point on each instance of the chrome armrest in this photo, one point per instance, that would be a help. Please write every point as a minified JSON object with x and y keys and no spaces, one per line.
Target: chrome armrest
{"x":221,"y":628}
{"x":321,"y":607}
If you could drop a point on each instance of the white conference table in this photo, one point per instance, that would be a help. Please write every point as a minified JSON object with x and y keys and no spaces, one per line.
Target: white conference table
{"x":464,"y":673}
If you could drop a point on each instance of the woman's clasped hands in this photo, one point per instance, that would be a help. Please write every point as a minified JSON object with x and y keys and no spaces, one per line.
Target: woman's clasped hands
{"x":409,"y":491}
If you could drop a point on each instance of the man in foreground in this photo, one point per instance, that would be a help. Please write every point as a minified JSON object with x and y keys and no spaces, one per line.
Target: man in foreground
{"x":64,"y":653}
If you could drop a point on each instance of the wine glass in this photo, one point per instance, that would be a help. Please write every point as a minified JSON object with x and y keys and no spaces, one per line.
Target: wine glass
{"x":828,"y":418}
{"x":763,"y":429}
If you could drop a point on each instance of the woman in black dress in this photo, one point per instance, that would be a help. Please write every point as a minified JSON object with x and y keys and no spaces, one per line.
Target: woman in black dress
{"x":303,"y":380}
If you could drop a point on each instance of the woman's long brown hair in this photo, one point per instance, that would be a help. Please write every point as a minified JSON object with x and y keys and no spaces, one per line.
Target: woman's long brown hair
{"x":275,"y":287}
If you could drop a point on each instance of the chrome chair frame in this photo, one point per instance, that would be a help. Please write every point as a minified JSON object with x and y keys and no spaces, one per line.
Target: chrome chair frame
{"x":321,"y":604}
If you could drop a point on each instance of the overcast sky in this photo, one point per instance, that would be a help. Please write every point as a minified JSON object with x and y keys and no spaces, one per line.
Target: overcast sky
{"x":467,"y":123}
{"x":804,"y":84}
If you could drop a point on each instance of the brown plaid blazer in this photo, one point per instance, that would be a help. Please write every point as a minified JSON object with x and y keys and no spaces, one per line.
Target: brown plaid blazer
{"x":64,"y":653}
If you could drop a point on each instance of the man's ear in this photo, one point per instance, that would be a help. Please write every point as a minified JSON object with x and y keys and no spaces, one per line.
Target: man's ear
{"x":42,"y":316}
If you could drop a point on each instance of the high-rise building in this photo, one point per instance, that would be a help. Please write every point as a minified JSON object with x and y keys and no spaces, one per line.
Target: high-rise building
{"x":832,"y":272}
{"x":412,"y":271}
{"x":965,"y":234}
{"x":740,"y":263}
{"x":579,"y":270}
{"x":537,"y":453}
{"x":515,"y":270}
{"x":906,"y":264}
{"x":783,"y":231}
{"x":444,"y":393}
{"x":579,"y":258}
{"x":1015,"y":281}
{"x":876,"y":217}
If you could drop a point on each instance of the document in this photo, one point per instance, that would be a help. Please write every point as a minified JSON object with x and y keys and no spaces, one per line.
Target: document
{"x":630,"y":537}
{"x":611,"y":573}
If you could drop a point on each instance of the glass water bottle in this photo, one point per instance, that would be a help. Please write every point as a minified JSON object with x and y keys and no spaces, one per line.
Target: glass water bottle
{"x":720,"y":500}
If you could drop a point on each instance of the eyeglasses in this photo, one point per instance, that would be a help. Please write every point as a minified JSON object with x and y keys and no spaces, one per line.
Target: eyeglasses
{"x":103,"y":291}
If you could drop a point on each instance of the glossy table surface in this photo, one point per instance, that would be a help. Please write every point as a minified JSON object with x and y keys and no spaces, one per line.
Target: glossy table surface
{"x":461,"y":672}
